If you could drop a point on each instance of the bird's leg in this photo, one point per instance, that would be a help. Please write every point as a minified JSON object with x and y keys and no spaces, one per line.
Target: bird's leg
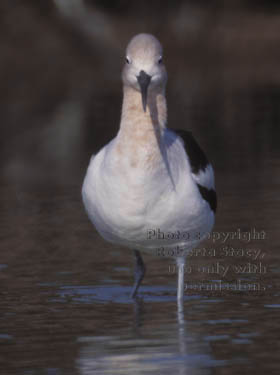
{"x":139,"y":272}
{"x":181,"y":270}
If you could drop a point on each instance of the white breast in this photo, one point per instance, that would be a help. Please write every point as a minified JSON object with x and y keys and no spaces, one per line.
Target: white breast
{"x":126,"y":202}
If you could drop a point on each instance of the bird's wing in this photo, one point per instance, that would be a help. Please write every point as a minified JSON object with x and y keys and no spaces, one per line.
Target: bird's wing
{"x":202,"y":171}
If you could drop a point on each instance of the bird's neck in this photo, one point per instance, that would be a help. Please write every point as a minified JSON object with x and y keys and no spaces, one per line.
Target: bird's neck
{"x":137,"y":122}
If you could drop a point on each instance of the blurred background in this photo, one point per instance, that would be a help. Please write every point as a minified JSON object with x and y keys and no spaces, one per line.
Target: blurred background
{"x":60,"y":102}
{"x":61,"y":89}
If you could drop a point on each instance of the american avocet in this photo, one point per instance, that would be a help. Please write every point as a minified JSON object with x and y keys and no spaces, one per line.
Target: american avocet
{"x":149,"y":179}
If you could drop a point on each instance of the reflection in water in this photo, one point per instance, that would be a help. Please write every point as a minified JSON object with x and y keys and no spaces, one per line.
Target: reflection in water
{"x":155,"y":339}
{"x":181,"y":334}
{"x":158,"y":351}
{"x":64,"y":292}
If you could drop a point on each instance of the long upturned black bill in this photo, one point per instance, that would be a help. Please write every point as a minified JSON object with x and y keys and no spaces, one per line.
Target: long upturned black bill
{"x":144,"y":80}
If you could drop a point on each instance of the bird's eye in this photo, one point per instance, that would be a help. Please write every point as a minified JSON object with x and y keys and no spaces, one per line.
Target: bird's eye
{"x":127,"y":59}
{"x":160,"y":60}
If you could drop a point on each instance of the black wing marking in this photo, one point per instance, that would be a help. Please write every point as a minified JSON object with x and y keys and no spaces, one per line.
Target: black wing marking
{"x":209,"y":195}
{"x":199,"y":162}
{"x":197,"y":157}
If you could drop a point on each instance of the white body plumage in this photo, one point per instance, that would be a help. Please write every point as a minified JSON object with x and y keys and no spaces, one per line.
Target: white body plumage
{"x":125,"y":201}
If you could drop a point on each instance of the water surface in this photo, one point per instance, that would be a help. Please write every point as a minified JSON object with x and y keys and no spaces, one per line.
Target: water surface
{"x":64,"y":292}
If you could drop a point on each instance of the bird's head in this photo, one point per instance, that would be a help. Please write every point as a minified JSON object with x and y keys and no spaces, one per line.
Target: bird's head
{"x":144,"y":70}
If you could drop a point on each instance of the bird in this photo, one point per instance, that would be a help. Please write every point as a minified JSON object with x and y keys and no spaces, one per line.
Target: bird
{"x":151,"y":188}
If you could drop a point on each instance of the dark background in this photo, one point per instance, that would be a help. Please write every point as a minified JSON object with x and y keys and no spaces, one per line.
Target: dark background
{"x":61,"y":90}
{"x":64,"y":292}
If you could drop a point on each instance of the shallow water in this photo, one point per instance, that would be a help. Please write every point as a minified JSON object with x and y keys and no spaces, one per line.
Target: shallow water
{"x":64,"y":292}
{"x":65,"y":305}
